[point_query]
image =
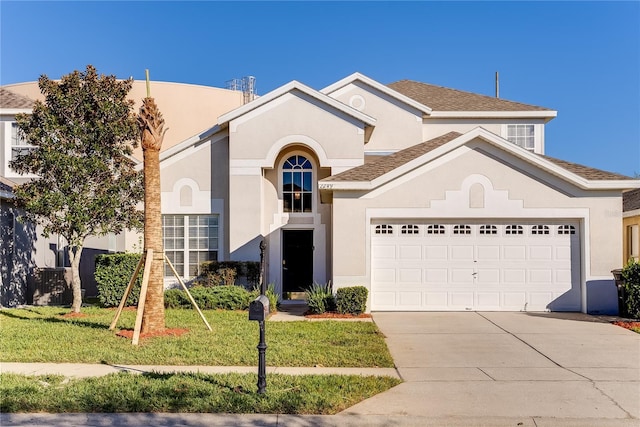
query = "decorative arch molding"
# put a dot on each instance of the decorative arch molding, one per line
(186, 197)
(477, 193)
(305, 140)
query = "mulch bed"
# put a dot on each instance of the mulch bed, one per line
(628, 325)
(167, 332)
(334, 315)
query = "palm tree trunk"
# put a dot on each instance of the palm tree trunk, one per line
(152, 124)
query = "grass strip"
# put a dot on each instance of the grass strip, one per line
(44, 334)
(188, 392)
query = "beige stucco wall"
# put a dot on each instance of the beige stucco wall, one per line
(398, 125)
(187, 109)
(544, 196)
(293, 115)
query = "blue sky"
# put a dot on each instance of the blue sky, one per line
(579, 58)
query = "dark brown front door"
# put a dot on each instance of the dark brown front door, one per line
(297, 260)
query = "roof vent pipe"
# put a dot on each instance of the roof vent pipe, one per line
(497, 86)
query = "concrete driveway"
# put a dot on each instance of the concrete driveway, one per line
(535, 366)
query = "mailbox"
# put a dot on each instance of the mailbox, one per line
(259, 308)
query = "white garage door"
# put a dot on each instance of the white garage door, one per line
(512, 266)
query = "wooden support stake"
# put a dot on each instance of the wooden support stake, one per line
(143, 296)
(175, 273)
(126, 293)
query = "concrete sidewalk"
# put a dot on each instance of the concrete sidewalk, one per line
(79, 370)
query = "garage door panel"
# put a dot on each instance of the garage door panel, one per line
(462, 253)
(410, 252)
(477, 266)
(541, 276)
(461, 276)
(488, 300)
(461, 300)
(489, 276)
(384, 275)
(436, 276)
(488, 253)
(410, 276)
(409, 299)
(436, 253)
(515, 276)
(383, 252)
(514, 253)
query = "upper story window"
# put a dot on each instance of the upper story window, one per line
(522, 135)
(19, 145)
(297, 184)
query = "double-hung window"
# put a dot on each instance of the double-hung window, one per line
(19, 145)
(188, 241)
(522, 135)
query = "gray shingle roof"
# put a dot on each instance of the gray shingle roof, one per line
(440, 98)
(10, 99)
(586, 171)
(379, 167)
(631, 200)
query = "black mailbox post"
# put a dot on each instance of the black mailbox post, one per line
(259, 310)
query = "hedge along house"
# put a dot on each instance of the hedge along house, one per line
(432, 198)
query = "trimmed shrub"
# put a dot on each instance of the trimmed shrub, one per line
(352, 300)
(218, 273)
(113, 273)
(209, 298)
(320, 298)
(631, 276)
(271, 294)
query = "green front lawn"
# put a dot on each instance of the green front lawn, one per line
(43, 334)
(228, 393)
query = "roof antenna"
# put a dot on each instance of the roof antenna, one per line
(497, 85)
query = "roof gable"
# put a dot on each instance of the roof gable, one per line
(378, 86)
(292, 87)
(383, 170)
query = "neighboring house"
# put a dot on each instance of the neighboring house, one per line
(187, 110)
(432, 198)
(631, 225)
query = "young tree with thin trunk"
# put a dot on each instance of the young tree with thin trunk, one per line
(152, 127)
(82, 136)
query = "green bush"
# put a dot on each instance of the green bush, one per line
(320, 298)
(271, 294)
(217, 273)
(352, 300)
(113, 273)
(631, 276)
(209, 298)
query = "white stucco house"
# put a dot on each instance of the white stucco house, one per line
(432, 198)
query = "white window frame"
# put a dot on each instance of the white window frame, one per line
(633, 242)
(314, 193)
(7, 132)
(183, 268)
(538, 136)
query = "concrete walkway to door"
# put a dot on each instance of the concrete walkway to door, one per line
(540, 368)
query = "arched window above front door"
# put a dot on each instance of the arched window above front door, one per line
(297, 184)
